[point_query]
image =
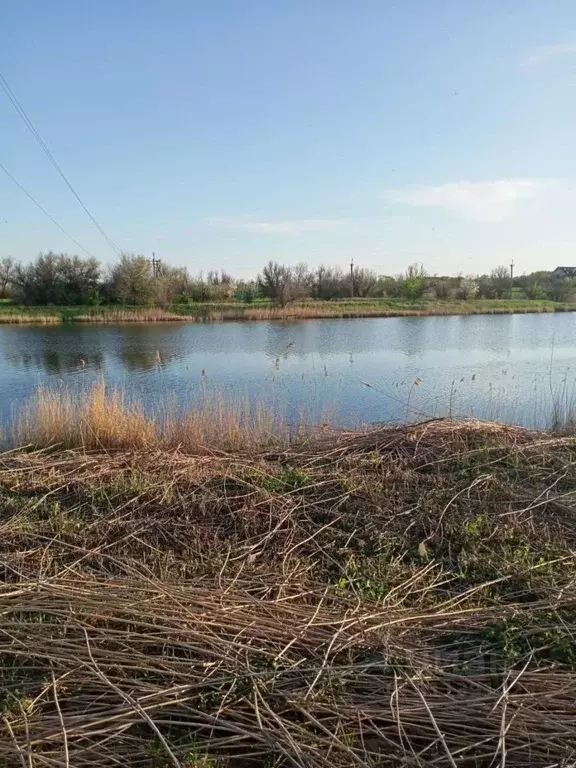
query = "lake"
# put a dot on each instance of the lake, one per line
(504, 367)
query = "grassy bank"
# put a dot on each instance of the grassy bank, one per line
(394, 596)
(232, 311)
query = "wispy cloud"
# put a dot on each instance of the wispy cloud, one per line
(478, 200)
(285, 227)
(545, 52)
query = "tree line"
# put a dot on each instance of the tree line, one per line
(63, 279)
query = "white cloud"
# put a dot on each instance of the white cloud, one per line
(294, 227)
(286, 227)
(545, 52)
(479, 200)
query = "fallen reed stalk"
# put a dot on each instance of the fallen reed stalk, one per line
(392, 597)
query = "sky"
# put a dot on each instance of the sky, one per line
(227, 133)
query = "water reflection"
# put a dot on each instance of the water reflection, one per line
(491, 366)
(56, 362)
(138, 359)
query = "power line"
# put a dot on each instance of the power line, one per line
(28, 123)
(44, 211)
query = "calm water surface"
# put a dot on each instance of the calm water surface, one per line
(501, 366)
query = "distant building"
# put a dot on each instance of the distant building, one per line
(564, 272)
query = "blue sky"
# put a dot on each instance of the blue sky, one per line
(226, 133)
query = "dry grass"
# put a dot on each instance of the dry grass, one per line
(142, 315)
(310, 311)
(23, 318)
(335, 310)
(105, 418)
(357, 308)
(397, 597)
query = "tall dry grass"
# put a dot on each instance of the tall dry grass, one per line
(107, 418)
(20, 318)
(343, 311)
(142, 315)
(304, 311)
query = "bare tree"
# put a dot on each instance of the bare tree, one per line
(561, 289)
(218, 285)
(443, 288)
(7, 274)
(215, 277)
(364, 281)
(170, 283)
(496, 285)
(330, 283)
(415, 270)
(284, 284)
(302, 280)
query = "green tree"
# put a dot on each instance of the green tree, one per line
(57, 278)
(132, 281)
(467, 288)
(413, 282)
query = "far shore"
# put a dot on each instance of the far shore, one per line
(310, 310)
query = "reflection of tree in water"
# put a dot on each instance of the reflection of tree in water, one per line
(412, 335)
(284, 340)
(146, 347)
(137, 358)
(54, 362)
(324, 337)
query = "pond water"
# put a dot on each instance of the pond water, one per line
(506, 367)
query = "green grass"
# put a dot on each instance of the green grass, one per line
(337, 601)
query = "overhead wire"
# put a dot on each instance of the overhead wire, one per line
(44, 211)
(26, 120)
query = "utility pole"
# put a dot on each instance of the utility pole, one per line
(512, 278)
(155, 265)
(352, 278)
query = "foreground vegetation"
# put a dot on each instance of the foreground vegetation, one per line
(263, 310)
(250, 597)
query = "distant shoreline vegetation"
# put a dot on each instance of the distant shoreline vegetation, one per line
(57, 288)
(11, 314)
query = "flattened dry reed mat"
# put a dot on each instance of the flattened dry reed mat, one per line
(392, 597)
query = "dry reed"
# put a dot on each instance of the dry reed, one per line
(319, 311)
(306, 311)
(13, 318)
(301, 312)
(137, 315)
(107, 418)
(396, 597)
